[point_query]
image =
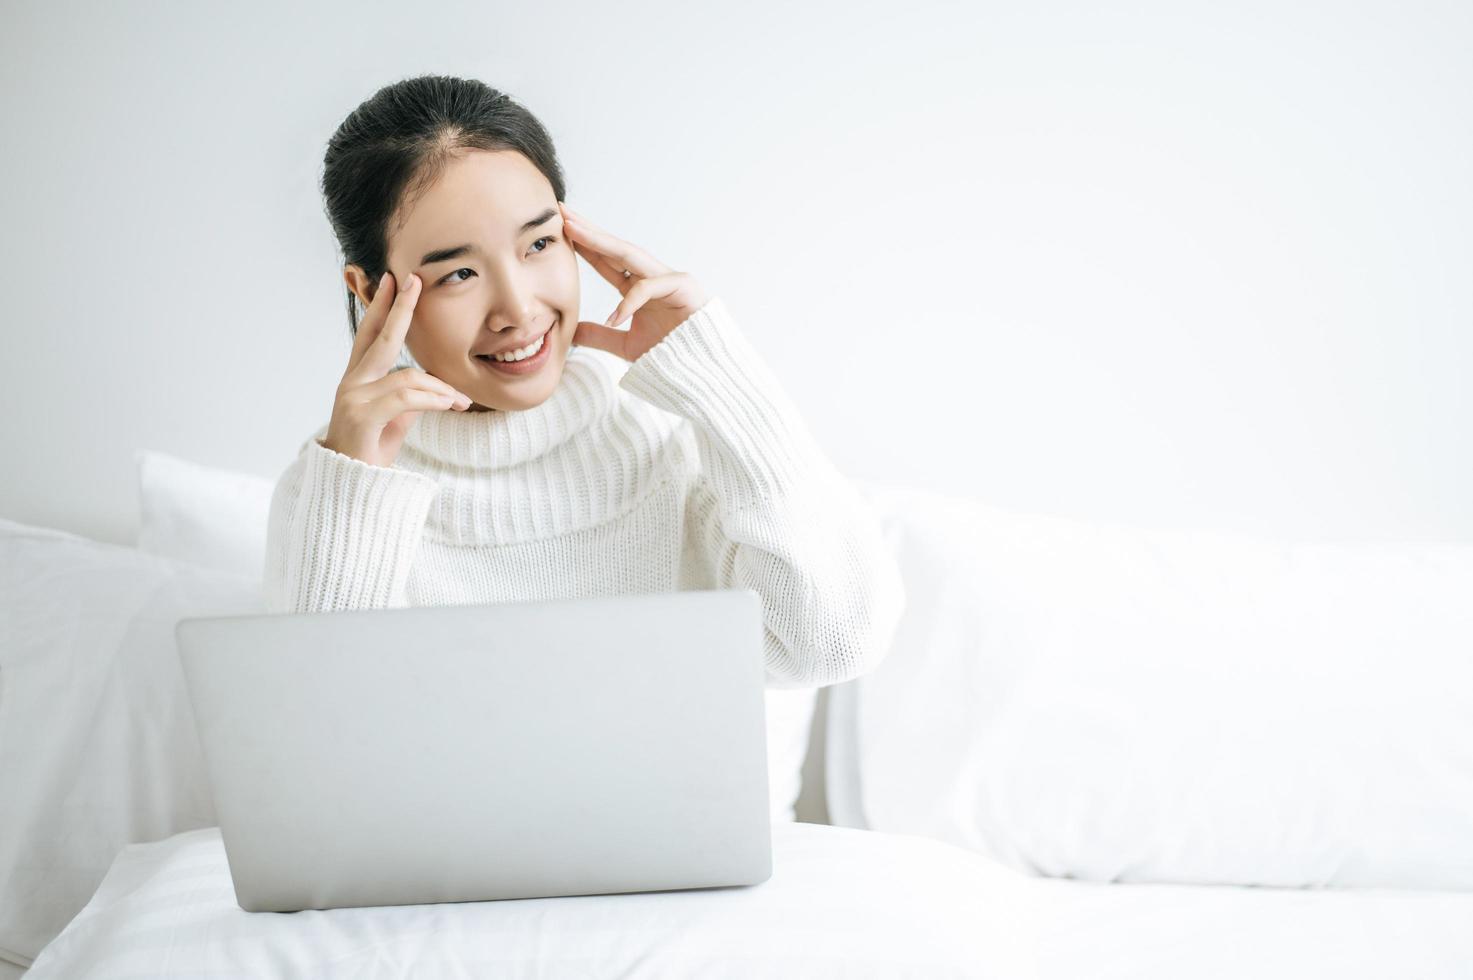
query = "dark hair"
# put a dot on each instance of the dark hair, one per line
(397, 143)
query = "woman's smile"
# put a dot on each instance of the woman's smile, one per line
(527, 365)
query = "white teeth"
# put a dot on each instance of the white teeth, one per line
(525, 352)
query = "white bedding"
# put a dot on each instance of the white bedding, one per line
(841, 903)
(1134, 705)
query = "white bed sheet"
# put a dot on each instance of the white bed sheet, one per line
(842, 903)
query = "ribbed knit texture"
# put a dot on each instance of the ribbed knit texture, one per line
(689, 469)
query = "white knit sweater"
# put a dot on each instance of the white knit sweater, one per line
(708, 479)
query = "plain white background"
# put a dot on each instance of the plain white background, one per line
(1174, 263)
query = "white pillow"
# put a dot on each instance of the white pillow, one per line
(217, 518)
(195, 513)
(842, 904)
(1112, 703)
(98, 747)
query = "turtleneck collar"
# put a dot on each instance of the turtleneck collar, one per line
(501, 439)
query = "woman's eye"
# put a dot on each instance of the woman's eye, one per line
(451, 278)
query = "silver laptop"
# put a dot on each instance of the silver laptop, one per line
(469, 753)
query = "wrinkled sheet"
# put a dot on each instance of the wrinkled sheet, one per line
(841, 903)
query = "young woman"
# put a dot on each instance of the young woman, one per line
(591, 459)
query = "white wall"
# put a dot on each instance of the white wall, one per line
(1180, 263)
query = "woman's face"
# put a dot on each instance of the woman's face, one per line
(516, 278)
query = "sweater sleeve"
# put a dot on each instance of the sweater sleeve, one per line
(769, 509)
(342, 533)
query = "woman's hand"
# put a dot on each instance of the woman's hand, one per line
(658, 299)
(375, 405)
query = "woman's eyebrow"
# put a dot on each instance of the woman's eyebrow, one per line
(456, 251)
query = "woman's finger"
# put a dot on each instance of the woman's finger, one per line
(641, 293)
(620, 254)
(381, 354)
(373, 319)
(413, 378)
(614, 277)
(391, 404)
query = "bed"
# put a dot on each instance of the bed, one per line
(842, 903)
(1093, 751)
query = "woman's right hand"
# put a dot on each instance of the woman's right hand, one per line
(375, 406)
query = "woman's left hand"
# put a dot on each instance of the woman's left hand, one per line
(658, 298)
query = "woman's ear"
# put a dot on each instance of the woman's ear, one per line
(358, 281)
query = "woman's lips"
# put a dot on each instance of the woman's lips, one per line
(526, 365)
